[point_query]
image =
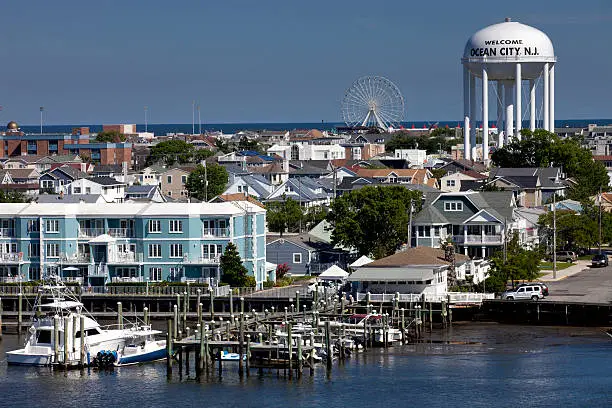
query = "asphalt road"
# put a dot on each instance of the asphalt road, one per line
(593, 285)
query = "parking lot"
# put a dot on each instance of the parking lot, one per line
(592, 285)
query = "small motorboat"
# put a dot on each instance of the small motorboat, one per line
(146, 350)
(227, 356)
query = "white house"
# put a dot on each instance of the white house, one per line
(304, 151)
(451, 183)
(150, 176)
(111, 190)
(416, 157)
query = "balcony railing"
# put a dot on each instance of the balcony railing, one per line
(90, 232)
(125, 257)
(215, 232)
(121, 232)
(203, 260)
(11, 257)
(97, 271)
(78, 258)
(478, 239)
(7, 232)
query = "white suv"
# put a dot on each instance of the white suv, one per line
(533, 292)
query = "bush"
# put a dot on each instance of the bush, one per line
(268, 284)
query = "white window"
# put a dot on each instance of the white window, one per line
(176, 250)
(52, 250)
(155, 251)
(176, 226)
(33, 226)
(34, 250)
(424, 231)
(155, 274)
(297, 258)
(52, 225)
(154, 226)
(453, 206)
(46, 183)
(450, 183)
(211, 251)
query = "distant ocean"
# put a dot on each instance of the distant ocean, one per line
(163, 129)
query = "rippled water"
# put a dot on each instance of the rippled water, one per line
(478, 365)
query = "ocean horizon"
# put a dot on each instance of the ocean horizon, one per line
(162, 129)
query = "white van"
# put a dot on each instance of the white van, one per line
(533, 292)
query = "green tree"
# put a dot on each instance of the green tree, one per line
(234, 272)
(517, 264)
(206, 183)
(284, 216)
(543, 149)
(110, 136)
(13, 197)
(574, 230)
(374, 220)
(172, 151)
(438, 173)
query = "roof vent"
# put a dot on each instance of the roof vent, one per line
(507, 19)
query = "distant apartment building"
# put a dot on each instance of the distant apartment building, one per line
(14, 143)
(95, 244)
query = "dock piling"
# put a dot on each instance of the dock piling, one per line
(82, 330)
(120, 315)
(2, 311)
(145, 317)
(241, 344)
(212, 304)
(169, 348)
(19, 312)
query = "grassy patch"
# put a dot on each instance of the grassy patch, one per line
(549, 265)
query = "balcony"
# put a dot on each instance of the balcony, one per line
(125, 258)
(202, 260)
(121, 232)
(215, 233)
(7, 232)
(478, 239)
(90, 232)
(97, 271)
(78, 258)
(11, 257)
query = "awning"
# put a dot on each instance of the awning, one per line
(70, 269)
(270, 267)
(102, 239)
(334, 272)
(366, 274)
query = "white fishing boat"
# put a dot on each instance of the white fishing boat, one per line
(143, 348)
(62, 332)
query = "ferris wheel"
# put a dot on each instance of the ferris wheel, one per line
(373, 101)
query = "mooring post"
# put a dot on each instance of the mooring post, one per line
(120, 315)
(207, 358)
(297, 301)
(289, 345)
(300, 357)
(56, 339)
(146, 316)
(180, 360)
(19, 312)
(328, 344)
(199, 296)
(231, 299)
(82, 330)
(212, 304)
(199, 350)
(248, 354)
(200, 307)
(403, 324)
(66, 348)
(286, 315)
(241, 345)
(241, 305)
(74, 335)
(315, 303)
(186, 307)
(187, 332)
(175, 320)
(169, 348)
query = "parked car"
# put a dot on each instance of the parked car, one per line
(543, 285)
(599, 260)
(566, 256)
(529, 291)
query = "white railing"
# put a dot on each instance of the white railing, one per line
(212, 260)
(452, 297)
(121, 232)
(97, 271)
(75, 258)
(90, 232)
(125, 257)
(120, 279)
(215, 232)
(11, 257)
(477, 239)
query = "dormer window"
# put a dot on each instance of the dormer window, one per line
(453, 206)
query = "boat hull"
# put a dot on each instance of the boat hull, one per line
(24, 358)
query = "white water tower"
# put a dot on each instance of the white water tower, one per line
(511, 55)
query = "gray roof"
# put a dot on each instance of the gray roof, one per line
(105, 181)
(365, 274)
(108, 168)
(68, 198)
(255, 182)
(496, 203)
(431, 213)
(547, 175)
(70, 172)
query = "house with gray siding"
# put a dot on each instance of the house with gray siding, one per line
(476, 222)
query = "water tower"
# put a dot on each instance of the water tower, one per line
(512, 55)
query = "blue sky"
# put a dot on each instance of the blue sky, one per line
(273, 61)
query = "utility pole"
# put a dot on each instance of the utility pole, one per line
(335, 181)
(555, 236)
(409, 242)
(599, 199)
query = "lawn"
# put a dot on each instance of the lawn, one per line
(560, 265)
